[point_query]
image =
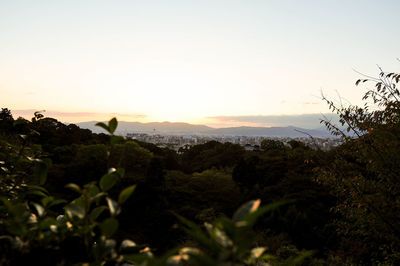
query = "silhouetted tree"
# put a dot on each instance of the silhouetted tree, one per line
(6, 121)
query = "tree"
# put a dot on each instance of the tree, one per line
(365, 174)
(6, 120)
(5, 115)
(270, 144)
(211, 154)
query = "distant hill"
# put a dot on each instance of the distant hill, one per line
(153, 127)
(186, 128)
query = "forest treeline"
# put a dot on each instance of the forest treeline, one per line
(69, 196)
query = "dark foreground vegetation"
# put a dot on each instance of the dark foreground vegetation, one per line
(68, 196)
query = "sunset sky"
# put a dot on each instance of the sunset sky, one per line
(214, 62)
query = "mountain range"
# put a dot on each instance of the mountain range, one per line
(174, 128)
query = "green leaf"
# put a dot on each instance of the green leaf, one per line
(61, 218)
(113, 206)
(96, 212)
(33, 187)
(109, 226)
(75, 210)
(98, 196)
(218, 235)
(112, 125)
(252, 217)
(33, 159)
(195, 231)
(125, 194)
(56, 202)
(108, 181)
(127, 243)
(257, 252)
(81, 201)
(94, 190)
(111, 170)
(73, 187)
(47, 200)
(128, 246)
(23, 137)
(39, 208)
(37, 193)
(109, 244)
(116, 139)
(41, 170)
(226, 225)
(245, 209)
(104, 126)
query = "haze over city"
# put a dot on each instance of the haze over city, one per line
(218, 63)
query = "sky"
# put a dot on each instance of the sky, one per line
(219, 62)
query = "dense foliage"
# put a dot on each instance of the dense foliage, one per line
(102, 199)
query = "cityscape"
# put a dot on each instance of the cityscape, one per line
(250, 143)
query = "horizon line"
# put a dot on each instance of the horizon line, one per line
(305, 120)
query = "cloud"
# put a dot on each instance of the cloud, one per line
(309, 121)
(76, 116)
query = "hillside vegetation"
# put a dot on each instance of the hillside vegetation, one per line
(69, 196)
